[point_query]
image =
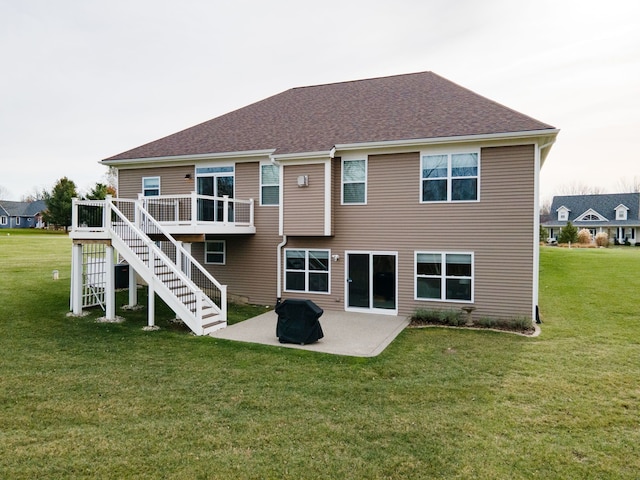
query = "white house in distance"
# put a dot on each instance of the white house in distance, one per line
(616, 214)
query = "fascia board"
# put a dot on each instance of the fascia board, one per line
(549, 134)
(244, 155)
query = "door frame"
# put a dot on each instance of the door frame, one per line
(371, 309)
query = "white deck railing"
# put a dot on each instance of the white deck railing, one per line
(194, 209)
(129, 221)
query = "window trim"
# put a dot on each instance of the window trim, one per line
(223, 252)
(449, 178)
(144, 190)
(307, 271)
(4, 220)
(443, 276)
(358, 158)
(262, 184)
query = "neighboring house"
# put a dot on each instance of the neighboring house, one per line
(616, 214)
(381, 195)
(22, 214)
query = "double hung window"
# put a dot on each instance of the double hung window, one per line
(269, 184)
(215, 252)
(307, 271)
(354, 181)
(444, 276)
(450, 177)
(151, 186)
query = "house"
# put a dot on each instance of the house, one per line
(22, 214)
(616, 214)
(381, 195)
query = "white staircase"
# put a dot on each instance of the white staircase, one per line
(183, 284)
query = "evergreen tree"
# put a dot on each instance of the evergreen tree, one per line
(100, 192)
(568, 234)
(59, 203)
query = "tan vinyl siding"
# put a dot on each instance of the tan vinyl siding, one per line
(250, 270)
(304, 212)
(498, 229)
(172, 180)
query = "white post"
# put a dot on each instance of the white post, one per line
(106, 212)
(110, 293)
(223, 302)
(133, 288)
(179, 255)
(186, 268)
(194, 208)
(74, 213)
(225, 211)
(251, 204)
(152, 305)
(76, 279)
(151, 291)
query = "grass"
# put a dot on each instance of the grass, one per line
(85, 400)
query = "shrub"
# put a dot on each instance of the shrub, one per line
(518, 324)
(584, 236)
(424, 316)
(568, 234)
(602, 239)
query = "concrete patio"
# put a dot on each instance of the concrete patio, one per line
(345, 333)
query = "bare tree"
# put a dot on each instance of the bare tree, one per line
(579, 188)
(545, 210)
(111, 177)
(4, 193)
(36, 193)
(628, 185)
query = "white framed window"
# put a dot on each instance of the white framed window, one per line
(307, 270)
(444, 276)
(3, 220)
(150, 186)
(215, 252)
(269, 184)
(354, 182)
(450, 177)
(621, 212)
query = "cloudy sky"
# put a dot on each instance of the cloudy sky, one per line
(81, 80)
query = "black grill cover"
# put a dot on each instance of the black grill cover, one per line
(298, 322)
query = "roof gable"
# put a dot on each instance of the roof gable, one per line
(591, 216)
(315, 119)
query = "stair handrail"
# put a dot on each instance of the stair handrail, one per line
(143, 216)
(157, 252)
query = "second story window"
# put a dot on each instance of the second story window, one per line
(269, 184)
(450, 177)
(151, 186)
(354, 182)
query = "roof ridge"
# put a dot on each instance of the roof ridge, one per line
(364, 80)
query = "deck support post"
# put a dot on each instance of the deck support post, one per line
(133, 288)
(110, 290)
(76, 279)
(151, 308)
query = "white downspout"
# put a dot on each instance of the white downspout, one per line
(279, 268)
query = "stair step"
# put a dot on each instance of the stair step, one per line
(213, 324)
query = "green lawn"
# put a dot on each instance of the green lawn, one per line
(85, 400)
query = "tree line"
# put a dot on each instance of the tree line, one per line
(59, 200)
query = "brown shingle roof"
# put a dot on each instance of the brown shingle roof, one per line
(314, 119)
